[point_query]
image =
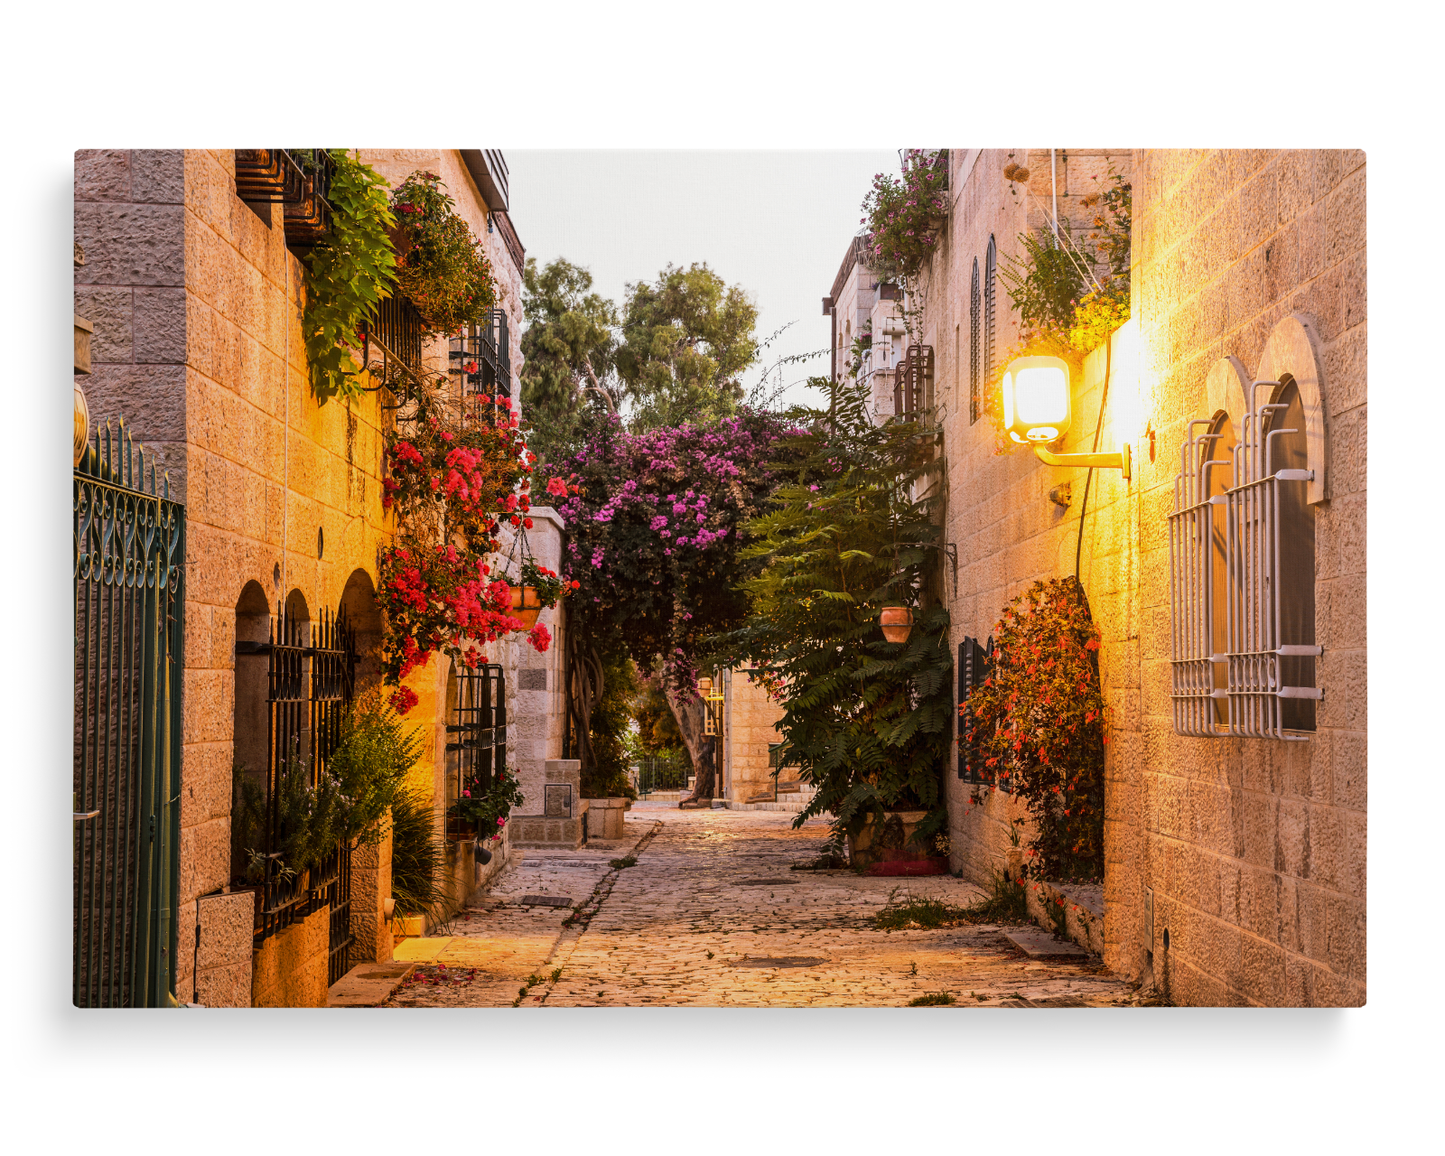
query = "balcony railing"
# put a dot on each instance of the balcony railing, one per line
(392, 342)
(913, 387)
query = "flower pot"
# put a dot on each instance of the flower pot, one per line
(888, 841)
(897, 623)
(461, 830)
(526, 605)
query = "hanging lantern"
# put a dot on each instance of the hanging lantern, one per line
(897, 623)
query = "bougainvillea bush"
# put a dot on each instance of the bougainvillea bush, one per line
(654, 526)
(1038, 723)
(905, 217)
(866, 720)
(453, 477)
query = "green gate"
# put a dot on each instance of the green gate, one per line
(129, 569)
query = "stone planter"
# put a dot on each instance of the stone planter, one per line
(887, 842)
(409, 925)
(605, 818)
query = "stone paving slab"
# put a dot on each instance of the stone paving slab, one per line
(712, 916)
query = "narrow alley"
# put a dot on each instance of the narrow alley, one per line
(712, 915)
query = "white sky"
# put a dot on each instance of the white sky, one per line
(776, 222)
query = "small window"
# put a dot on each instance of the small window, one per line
(975, 304)
(990, 270)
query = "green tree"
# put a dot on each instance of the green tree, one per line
(569, 347)
(686, 340)
(867, 721)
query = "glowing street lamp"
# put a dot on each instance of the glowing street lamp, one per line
(1037, 410)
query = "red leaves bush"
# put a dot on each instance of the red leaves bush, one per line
(1038, 722)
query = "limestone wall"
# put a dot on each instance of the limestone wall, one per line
(196, 302)
(751, 721)
(1254, 849)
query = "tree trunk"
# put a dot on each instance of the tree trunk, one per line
(689, 717)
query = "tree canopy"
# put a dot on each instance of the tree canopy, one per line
(686, 340)
(569, 350)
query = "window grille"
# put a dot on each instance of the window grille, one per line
(975, 301)
(481, 362)
(974, 664)
(1255, 557)
(477, 736)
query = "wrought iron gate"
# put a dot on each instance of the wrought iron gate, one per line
(479, 724)
(309, 685)
(129, 594)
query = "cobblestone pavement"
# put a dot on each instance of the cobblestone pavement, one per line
(711, 915)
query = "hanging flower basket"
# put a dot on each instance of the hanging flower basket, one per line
(897, 623)
(526, 605)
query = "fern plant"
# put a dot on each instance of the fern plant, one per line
(867, 720)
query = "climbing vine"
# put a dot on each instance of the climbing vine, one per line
(347, 275)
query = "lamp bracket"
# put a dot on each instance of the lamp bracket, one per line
(1120, 460)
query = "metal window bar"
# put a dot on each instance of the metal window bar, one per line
(481, 361)
(1253, 687)
(396, 333)
(310, 683)
(913, 384)
(479, 724)
(974, 663)
(299, 180)
(129, 635)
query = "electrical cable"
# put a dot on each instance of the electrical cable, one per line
(1098, 426)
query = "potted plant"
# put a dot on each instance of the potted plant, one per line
(483, 808)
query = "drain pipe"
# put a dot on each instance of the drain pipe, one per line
(1054, 188)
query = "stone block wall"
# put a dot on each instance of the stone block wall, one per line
(1254, 849)
(751, 721)
(289, 968)
(196, 301)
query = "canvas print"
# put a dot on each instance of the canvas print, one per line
(604, 623)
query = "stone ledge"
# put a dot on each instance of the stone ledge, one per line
(368, 984)
(1083, 908)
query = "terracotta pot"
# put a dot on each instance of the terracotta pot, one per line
(897, 623)
(526, 605)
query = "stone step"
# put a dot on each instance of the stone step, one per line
(1037, 943)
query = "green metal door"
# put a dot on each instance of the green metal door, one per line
(129, 572)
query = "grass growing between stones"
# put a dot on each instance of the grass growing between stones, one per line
(933, 999)
(625, 861)
(1005, 905)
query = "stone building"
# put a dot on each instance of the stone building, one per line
(195, 296)
(1234, 866)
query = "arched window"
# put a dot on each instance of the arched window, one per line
(1296, 559)
(990, 268)
(1242, 550)
(249, 757)
(975, 304)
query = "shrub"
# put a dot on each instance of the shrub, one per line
(442, 267)
(905, 217)
(1038, 723)
(418, 854)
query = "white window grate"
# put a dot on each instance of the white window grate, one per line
(1234, 663)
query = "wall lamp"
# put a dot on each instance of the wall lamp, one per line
(1037, 408)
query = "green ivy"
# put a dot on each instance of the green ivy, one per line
(347, 276)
